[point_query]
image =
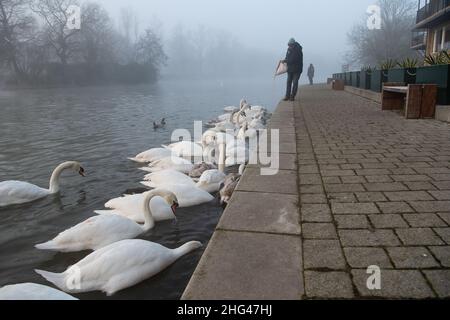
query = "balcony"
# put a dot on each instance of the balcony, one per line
(419, 40)
(434, 12)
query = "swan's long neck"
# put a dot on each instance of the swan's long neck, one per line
(54, 179)
(148, 216)
(222, 156)
(186, 248)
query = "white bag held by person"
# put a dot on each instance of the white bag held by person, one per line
(281, 69)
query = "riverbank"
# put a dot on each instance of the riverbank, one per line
(358, 187)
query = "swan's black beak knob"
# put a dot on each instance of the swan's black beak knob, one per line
(82, 172)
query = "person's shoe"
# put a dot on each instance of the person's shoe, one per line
(286, 99)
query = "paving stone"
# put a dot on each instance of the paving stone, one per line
(311, 169)
(373, 172)
(445, 216)
(323, 254)
(331, 180)
(328, 285)
(394, 186)
(419, 237)
(395, 284)
(440, 281)
(337, 173)
(378, 179)
(235, 266)
(285, 182)
(444, 233)
(394, 207)
(311, 189)
(262, 212)
(424, 220)
(442, 185)
(342, 197)
(388, 221)
(419, 186)
(365, 257)
(316, 213)
(370, 197)
(430, 206)
(313, 198)
(319, 231)
(310, 179)
(409, 196)
(442, 254)
(354, 208)
(344, 187)
(352, 222)
(353, 179)
(440, 195)
(412, 258)
(368, 238)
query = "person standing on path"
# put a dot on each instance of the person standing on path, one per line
(311, 74)
(294, 61)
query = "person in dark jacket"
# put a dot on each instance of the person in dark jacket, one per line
(294, 60)
(311, 72)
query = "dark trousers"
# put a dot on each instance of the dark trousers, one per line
(292, 84)
(311, 80)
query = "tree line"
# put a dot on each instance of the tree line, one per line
(38, 48)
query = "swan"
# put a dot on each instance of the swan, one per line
(210, 180)
(18, 192)
(130, 206)
(32, 291)
(229, 185)
(187, 195)
(99, 231)
(185, 149)
(200, 168)
(118, 266)
(231, 109)
(152, 155)
(174, 163)
(168, 177)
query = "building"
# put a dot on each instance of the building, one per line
(432, 31)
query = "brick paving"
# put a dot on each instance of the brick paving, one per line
(374, 190)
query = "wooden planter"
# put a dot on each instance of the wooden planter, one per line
(439, 75)
(364, 80)
(377, 79)
(406, 76)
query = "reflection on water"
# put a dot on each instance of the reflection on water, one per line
(101, 127)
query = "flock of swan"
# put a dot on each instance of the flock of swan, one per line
(176, 178)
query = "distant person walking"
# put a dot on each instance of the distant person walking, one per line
(311, 74)
(294, 61)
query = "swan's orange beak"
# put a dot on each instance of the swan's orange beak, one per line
(82, 172)
(174, 207)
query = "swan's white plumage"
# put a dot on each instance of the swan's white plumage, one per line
(118, 266)
(173, 163)
(152, 155)
(187, 195)
(32, 291)
(17, 192)
(186, 149)
(156, 179)
(211, 180)
(130, 206)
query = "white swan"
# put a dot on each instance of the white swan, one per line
(152, 155)
(185, 149)
(211, 180)
(32, 291)
(187, 195)
(18, 192)
(167, 177)
(130, 206)
(118, 266)
(99, 231)
(173, 163)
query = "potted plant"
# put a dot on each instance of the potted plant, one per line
(381, 76)
(437, 72)
(406, 73)
(364, 78)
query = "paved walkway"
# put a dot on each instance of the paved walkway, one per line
(358, 187)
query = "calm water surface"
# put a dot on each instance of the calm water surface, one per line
(101, 127)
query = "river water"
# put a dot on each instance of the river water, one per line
(101, 127)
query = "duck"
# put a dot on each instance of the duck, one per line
(19, 192)
(118, 266)
(152, 155)
(102, 230)
(32, 291)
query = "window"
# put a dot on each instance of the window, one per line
(447, 38)
(438, 40)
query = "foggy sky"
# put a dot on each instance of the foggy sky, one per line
(320, 26)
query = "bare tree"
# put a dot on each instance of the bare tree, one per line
(16, 25)
(150, 50)
(392, 41)
(62, 39)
